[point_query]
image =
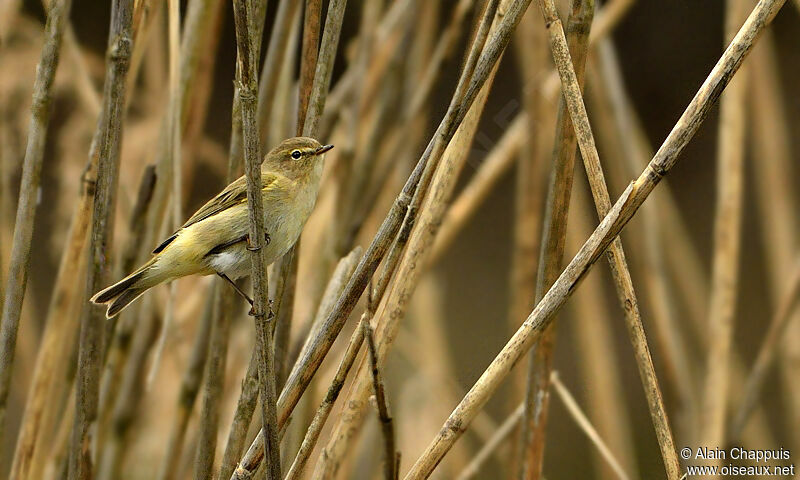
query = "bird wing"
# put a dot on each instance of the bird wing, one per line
(234, 194)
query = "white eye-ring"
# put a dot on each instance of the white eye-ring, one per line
(296, 154)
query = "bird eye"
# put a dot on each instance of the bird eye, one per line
(296, 154)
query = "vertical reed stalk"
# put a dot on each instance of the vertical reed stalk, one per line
(247, 56)
(534, 420)
(727, 245)
(52, 351)
(616, 256)
(14, 294)
(92, 318)
(391, 455)
(308, 57)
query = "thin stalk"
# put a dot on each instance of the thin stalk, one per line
(308, 57)
(324, 68)
(92, 318)
(387, 425)
(488, 449)
(247, 56)
(661, 226)
(57, 18)
(727, 245)
(622, 211)
(235, 153)
(531, 443)
(766, 355)
(587, 427)
(53, 354)
(277, 51)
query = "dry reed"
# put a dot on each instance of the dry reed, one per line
(443, 164)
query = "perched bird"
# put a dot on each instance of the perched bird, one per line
(215, 239)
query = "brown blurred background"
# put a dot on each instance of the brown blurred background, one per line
(666, 50)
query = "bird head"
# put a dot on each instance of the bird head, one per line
(297, 157)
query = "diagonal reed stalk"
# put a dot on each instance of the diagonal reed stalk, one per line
(661, 226)
(622, 211)
(787, 309)
(595, 345)
(587, 427)
(416, 241)
(616, 256)
(324, 410)
(503, 433)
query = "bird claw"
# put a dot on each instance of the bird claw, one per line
(270, 313)
(252, 248)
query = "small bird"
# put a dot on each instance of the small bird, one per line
(215, 239)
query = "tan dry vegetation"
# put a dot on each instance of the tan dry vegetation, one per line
(465, 200)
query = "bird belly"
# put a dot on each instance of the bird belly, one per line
(190, 253)
(233, 262)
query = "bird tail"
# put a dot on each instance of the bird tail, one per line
(122, 293)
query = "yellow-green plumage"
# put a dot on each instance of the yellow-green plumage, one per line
(214, 239)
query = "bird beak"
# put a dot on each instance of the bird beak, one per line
(322, 149)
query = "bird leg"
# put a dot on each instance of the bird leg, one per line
(236, 287)
(220, 248)
(270, 315)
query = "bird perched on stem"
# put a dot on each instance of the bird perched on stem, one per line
(215, 239)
